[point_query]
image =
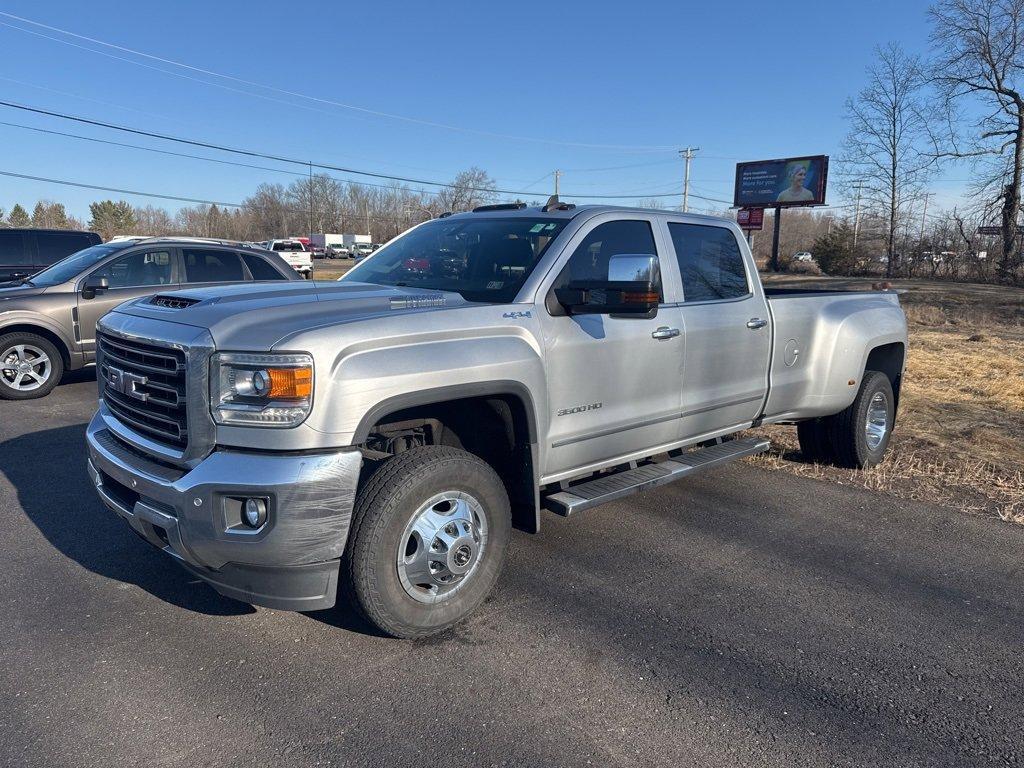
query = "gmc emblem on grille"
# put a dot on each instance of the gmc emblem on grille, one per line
(126, 383)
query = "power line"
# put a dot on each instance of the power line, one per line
(303, 163)
(191, 156)
(300, 95)
(157, 195)
(161, 196)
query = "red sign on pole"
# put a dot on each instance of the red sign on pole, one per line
(750, 218)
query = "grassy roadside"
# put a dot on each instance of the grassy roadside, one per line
(959, 440)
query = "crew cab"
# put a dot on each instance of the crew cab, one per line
(383, 433)
(296, 253)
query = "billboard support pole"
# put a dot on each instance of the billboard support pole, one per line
(776, 226)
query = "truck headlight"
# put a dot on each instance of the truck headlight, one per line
(261, 390)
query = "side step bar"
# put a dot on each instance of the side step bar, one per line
(610, 487)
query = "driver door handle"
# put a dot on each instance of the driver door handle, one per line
(756, 322)
(664, 332)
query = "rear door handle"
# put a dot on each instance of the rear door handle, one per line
(664, 332)
(756, 322)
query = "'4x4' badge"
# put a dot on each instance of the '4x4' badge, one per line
(517, 315)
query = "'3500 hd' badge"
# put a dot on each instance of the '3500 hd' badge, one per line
(578, 409)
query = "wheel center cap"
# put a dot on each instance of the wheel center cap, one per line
(24, 367)
(462, 555)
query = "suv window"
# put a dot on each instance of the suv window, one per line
(137, 270)
(590, 259)
(54, 246)
(209, 266)
(13, 249)
(261, 268)
(710, 262)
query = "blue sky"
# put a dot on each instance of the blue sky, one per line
(523, 85)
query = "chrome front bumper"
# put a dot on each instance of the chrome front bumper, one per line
(291, 563)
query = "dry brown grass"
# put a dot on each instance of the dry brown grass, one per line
(959, 440)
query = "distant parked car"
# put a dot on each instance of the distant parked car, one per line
(803, 256)
(48, 321)
(296, 253)
(361, 250)
(24, 252)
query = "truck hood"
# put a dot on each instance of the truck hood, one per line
(258, 316)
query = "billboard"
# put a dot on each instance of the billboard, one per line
(789, 181)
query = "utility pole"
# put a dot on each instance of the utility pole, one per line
(856, 222)
(687, 154)
(311, 201)
(558, 175)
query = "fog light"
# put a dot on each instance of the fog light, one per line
(255, 512)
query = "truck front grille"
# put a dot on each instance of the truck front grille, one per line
(144, 387)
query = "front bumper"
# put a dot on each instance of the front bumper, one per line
(291, 563)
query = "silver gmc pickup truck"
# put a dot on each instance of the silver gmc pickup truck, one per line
(382, 434)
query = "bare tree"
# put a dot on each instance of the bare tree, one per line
(884, 149)
(980, 63)
(469, 189)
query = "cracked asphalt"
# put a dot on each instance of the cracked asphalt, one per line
(741, 618)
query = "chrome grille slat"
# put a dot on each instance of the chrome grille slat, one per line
(162, 413)
(176, 362)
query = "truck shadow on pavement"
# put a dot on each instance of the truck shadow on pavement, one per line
(47, 469)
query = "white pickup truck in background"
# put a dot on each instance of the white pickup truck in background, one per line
(295, 253)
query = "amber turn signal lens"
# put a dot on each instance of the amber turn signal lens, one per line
(631, 297)
(290, 383)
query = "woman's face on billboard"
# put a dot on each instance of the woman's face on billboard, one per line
(798, 177)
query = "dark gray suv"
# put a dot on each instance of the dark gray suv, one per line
(48, 321)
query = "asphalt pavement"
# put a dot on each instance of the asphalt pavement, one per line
(743, 617)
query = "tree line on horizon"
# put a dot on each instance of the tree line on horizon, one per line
(318, 203)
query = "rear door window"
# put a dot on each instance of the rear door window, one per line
(709, 261)
(206, 265)
(260, 268)
(54, 246)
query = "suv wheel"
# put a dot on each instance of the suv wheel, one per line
(30, 366)
(428, 540)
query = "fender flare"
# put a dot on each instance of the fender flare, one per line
(21, 317)
(444, 394)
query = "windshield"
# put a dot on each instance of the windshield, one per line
(481, 259)
(73, 265)
(289, 246)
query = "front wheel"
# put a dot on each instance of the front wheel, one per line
(429, 534)
(30, 366)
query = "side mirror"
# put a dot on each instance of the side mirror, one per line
(633, 289)
(94, 285)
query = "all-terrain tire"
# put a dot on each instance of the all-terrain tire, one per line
(850, 432)
(22, 346)
(390, 499)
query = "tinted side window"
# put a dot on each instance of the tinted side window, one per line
(710, 262)
(13, 249)
(137, 270)
(260, 268)
(208, 266)
(54, 246)
(590, 259)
